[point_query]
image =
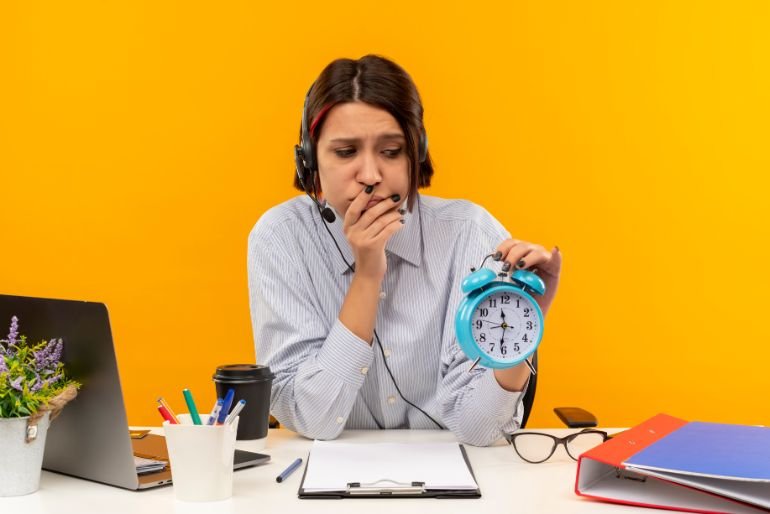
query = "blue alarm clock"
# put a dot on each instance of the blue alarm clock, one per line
(498, 323)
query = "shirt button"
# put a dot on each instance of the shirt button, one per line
(391, 400)
(364, 370)
(340, 420)
(383, 295)
(387, 352)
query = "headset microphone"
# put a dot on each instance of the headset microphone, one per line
(327, 214)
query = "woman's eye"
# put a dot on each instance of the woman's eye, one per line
(392, 152)
(345, 152)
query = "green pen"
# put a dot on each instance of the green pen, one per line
(191, 406)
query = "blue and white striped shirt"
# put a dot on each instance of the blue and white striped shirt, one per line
(327, 378)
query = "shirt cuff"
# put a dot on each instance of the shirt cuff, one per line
(499, 402)
(345, 355)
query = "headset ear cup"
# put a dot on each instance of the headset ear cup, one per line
(423, 153)
(299, 163)
(305, 143)
(308, 153)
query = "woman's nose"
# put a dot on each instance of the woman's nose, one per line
(369, 171)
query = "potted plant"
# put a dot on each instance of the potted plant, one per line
(33, 390)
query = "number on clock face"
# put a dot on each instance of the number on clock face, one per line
(505, 325)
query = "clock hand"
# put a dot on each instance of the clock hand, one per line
(502, 313)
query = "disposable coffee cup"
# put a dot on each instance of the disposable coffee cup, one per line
(251, 382)
(201, 458)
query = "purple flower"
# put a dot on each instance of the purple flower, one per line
(14, 332)
(3, 365)
(16, 384)
(38, 384)
(52, 380)
(49, 356)
(56, 357)
(41, 358)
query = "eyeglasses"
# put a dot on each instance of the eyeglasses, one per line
(537, 447)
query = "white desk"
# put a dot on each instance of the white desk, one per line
(508, 485)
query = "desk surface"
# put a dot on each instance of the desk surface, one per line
(508, 485)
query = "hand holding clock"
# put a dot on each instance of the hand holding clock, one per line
(518, 254)
(522, 255)
(522, 300)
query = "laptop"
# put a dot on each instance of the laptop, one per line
(90, 439)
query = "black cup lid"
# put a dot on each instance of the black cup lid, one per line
(242, 372)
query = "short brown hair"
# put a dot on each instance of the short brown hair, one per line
(380, 82)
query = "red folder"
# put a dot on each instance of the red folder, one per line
(669, 463)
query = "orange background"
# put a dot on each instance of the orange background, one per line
(140, 141)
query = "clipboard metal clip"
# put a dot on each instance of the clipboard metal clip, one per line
(385, 487)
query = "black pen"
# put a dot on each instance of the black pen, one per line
(288, 471)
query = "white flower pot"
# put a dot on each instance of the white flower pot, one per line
(20, 461)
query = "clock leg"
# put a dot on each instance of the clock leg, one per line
(531, 367)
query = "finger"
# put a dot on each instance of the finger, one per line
(503, 248)
(517, 255)
(553, 266)
(385, 205)
(536, 257)
(378, 225)
(513, 253)
(533, 256)
(357, 206)
(388, 232)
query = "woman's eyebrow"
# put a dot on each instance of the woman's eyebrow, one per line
(344, 140)
(394, 135)
(383, 137)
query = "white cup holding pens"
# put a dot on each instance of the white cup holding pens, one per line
(201, 457)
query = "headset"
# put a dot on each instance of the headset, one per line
(306, 163)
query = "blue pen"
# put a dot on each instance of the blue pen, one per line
(226, 406)
(288, 471)
(215, 412)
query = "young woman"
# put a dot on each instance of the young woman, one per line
(354, 286)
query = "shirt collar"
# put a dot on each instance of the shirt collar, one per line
(406, 243)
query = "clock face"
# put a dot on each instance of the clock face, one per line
(506, 325)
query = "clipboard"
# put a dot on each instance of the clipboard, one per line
(387, 488)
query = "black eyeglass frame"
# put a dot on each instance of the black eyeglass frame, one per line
(511, 438)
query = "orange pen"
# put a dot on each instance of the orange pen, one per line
(166, 406)
(166, 415)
